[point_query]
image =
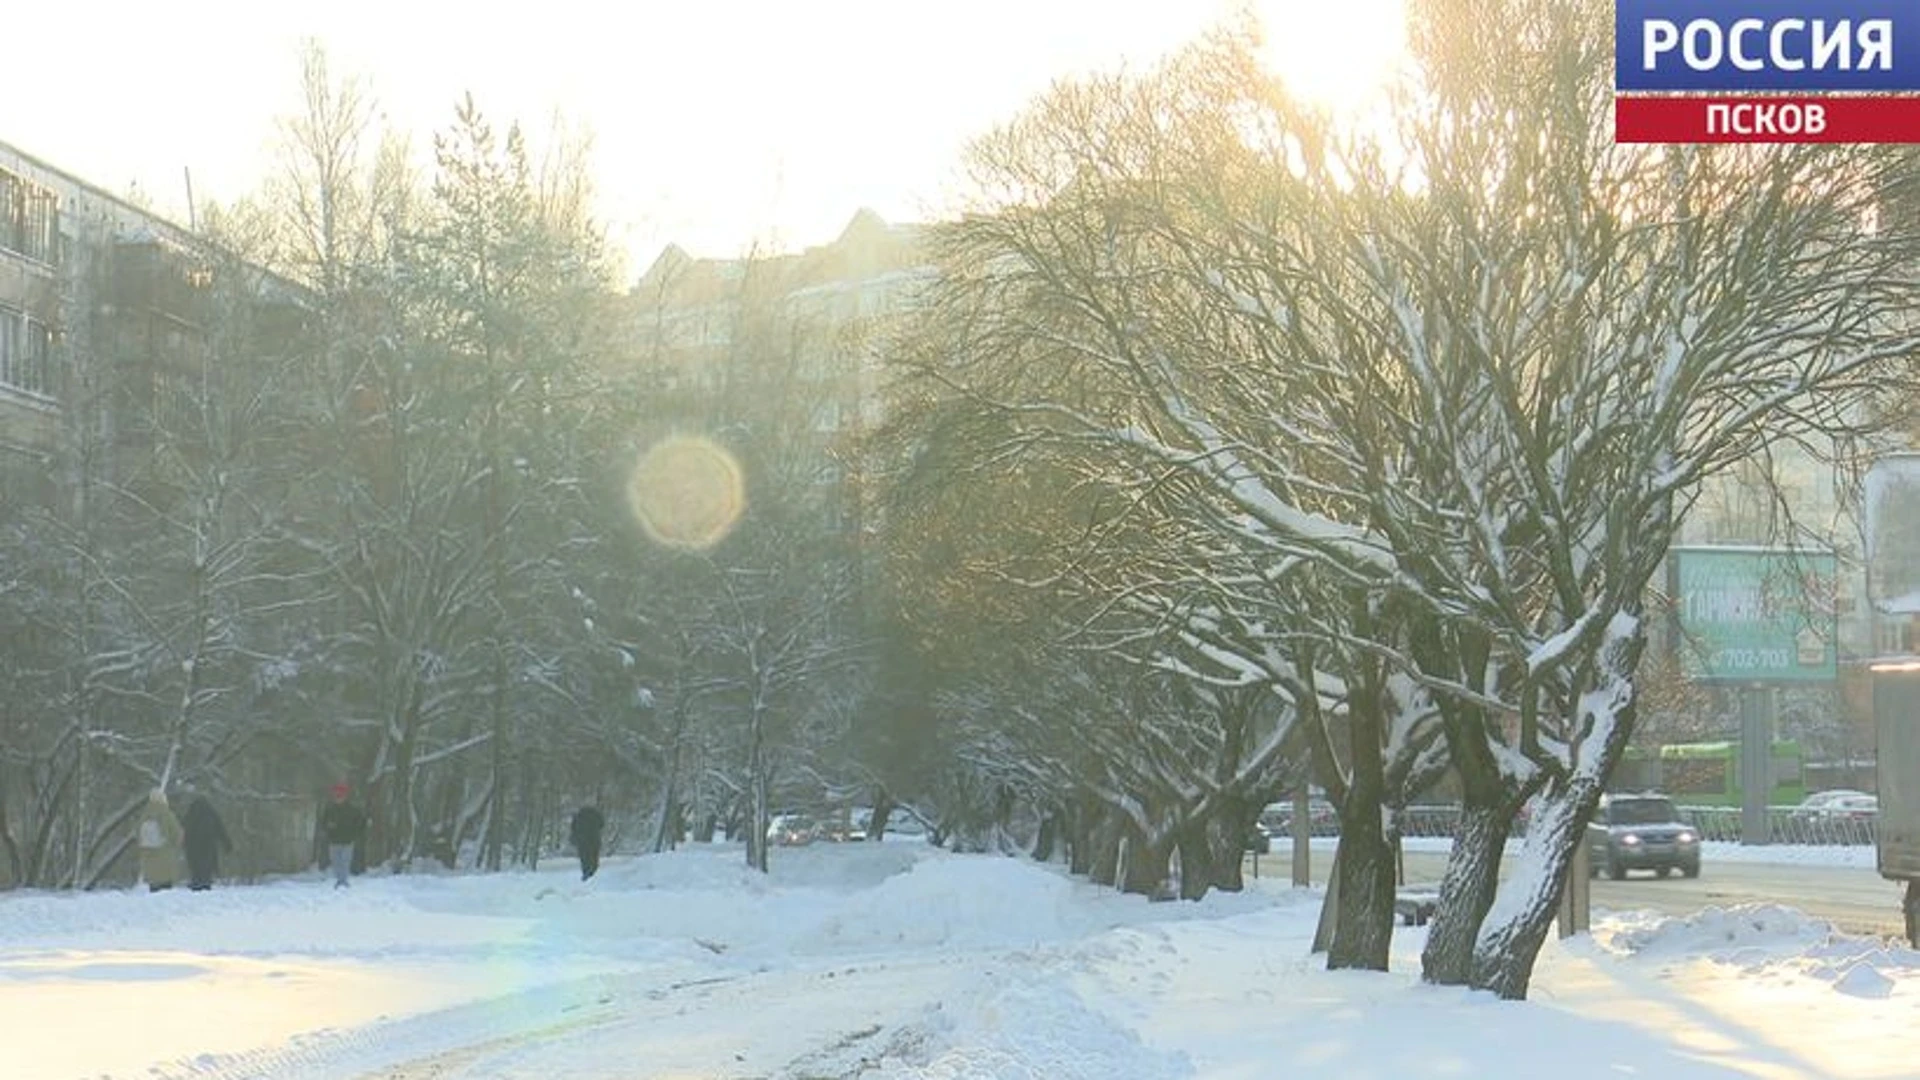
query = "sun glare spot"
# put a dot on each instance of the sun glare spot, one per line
(1339, 55)
(687, 492)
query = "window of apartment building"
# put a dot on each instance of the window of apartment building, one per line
(26, 354)
(29, 219)
(25, 479)
(175, 406)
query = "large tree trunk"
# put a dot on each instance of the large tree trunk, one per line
(1103, 864)
(882, 810)
(16, 868)
(1148, 866)
(666, 830)
(759, 819)
(1226, 837)
(1196, 860)
(1000, 837)
(1363, 928)
(759, 780)
(1510, 938)
(670, 827)
(1211, 853)
(1048, 837)
(1080, 844)
(1489, 800)
(1466, 892)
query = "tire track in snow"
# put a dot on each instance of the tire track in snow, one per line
(328, 1054)
(815, 1054)
(447, 1042)
(828, 1021)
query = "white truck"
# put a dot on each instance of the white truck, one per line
(1896, 715)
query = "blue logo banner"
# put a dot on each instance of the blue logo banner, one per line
(1744, 45)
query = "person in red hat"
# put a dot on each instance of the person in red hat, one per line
(342, 824)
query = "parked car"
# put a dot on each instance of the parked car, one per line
(1827, 805)
(1834, 817)
(1277, 818)
(1641, 832)
(792, 830)
(904, 822)
(900, 822)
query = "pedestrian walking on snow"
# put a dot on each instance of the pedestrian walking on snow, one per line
(206, 839)
(342, 825)
(159, 839)
(587, 824)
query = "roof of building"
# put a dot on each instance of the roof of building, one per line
(867, 247)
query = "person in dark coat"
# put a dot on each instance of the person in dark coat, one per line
(342, 824)
(206, 839)
(587, 823)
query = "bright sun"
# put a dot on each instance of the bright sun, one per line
(1338, 53)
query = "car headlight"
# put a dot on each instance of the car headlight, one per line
(1686, 838)
(1630, 840)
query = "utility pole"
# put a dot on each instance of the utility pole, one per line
(1302, 836)
(1756, 762)
(1576, 900)
(1576, 896)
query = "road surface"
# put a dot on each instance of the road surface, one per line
(1855, 900)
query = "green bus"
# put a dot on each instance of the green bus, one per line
(1708, 773)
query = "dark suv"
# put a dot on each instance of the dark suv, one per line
(1641, 832)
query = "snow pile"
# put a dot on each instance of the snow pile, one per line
(1768, 940)
(1029, 1028)
(1743, 934)
(701, 896)
(837, 898)
(1860, 967)
(375, 918)
(954, 902)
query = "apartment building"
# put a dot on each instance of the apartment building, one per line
(789, 344)
(105, 315)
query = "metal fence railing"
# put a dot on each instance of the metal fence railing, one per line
(1785, 825)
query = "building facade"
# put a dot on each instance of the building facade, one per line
(784, 351)
(106, 312)
(118, 329)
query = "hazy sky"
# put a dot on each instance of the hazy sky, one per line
(716, 123)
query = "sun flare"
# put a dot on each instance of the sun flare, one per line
(687, 492)
(1339, 55)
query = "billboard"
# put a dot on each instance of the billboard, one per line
(1754, 614)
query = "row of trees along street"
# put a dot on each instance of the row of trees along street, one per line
(1231, 447)
(1278, 441)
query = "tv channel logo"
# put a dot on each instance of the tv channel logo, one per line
(1767, 70)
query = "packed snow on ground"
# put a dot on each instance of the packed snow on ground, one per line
(889, 962)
